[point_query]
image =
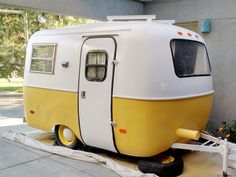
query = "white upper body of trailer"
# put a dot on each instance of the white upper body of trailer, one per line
(145, 68)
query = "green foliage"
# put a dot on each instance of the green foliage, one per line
(13, 36)
(14, 85)
(12, 42)
(15, 89)
(228, 130)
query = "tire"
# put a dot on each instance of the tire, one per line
(61, 140)
(170, 169)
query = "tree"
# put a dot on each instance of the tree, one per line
(12, 36)
(11, 43)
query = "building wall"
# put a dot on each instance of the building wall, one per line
(221, 42)
(94, 9)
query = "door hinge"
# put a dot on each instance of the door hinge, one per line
(112, 123)
(115, 62)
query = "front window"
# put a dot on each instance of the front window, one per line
(190, 58)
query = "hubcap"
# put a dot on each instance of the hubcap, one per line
(66, 135)
(167, 159)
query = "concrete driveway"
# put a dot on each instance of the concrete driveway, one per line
(17, 160)
(11, 105)
(11, 112)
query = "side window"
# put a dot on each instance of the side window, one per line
(96, 66)
(43, 58)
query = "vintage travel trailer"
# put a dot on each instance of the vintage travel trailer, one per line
(130, 87)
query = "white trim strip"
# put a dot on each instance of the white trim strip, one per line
(49, 88)
(129, 97)
(84, 33)
(164, 98)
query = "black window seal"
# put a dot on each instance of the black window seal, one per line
(194, 75)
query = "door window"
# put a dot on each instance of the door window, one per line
(96, 66)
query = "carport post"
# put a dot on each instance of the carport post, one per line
(225, 157)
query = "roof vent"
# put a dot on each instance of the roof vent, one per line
(147, 18)
(170, 22)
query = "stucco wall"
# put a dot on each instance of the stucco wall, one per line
(221, 42)
(94, 9)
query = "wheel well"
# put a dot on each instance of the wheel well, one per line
(69, 128)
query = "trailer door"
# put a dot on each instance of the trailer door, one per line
(95, 92)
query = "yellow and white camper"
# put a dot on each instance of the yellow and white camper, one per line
(128, 87)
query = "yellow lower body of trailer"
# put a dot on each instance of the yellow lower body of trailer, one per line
(142, 128)
(45, 108)
(145, 128)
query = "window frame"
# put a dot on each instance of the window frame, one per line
(193, 75)
(96, 65)
(53, 58)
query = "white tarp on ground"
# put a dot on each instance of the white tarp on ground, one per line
(76, 154)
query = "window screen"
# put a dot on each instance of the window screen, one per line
(96, 66)
(42, 59)
(190, 58)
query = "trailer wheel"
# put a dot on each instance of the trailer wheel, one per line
(65, 137)
(164, 165)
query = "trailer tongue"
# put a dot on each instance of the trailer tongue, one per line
(215, 145)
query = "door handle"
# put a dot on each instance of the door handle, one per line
(83, 94)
